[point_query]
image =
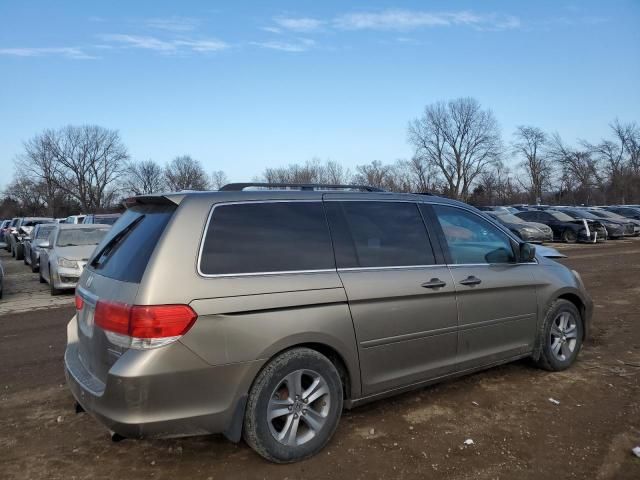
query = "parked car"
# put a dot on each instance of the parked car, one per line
(531, 232)
(33, 244)
(102, 218)
(4, 227)
(74, 219)
(615, 229)
(566, 228)
(300, 303)
(64, 255)
(9, 233)
(628, 212)
(607, 215)
(61, 220)
(23, 230)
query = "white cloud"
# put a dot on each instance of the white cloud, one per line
(139, 41)
(202, 45)
(68, 52)
(301, 45)
(272, 29)
(404, 20)
(300, 24)
(166, 46)
(173, 24)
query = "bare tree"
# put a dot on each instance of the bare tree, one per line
(580, 172)
(31, 195)
(218, 179)
(312, 171)
(38, 163)
(375, 174)
(529, 146)
(88, 162)
(144, 177)
(185, 173)
(459, 139)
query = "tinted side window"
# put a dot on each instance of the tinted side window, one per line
(378, 234)
(471, 239)
(267, 237)
(123, 254)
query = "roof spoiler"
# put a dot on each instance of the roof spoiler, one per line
(152, 200)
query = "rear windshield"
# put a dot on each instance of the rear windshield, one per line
(75, 237)
(124, 253)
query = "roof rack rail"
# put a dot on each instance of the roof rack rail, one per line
(238, 187)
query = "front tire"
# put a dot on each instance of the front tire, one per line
(561, 336)
(294, 406)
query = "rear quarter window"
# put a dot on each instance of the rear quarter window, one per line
(125, 251)
(267, 237)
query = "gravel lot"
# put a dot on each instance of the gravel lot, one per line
(22, 290)
(517, 431)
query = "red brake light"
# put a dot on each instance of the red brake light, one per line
(79, 302)
(144, 322)
(112, 316)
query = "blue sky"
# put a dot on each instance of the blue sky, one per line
(244, 85)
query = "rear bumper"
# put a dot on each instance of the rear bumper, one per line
(165, 392)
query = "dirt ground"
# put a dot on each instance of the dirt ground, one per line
(517, 431)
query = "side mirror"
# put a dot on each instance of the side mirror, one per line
(527, 253)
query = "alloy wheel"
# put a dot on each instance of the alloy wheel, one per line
(298, 407)
(563, 336)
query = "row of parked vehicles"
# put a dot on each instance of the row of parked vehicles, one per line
(57, 249)
(569, 224)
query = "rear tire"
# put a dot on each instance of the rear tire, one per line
(561, 336)
(569, 236)
(19, 253)
(294, 406)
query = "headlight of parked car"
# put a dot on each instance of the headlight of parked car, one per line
(66, 263)
(531, 231)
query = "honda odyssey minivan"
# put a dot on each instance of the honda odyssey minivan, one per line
(262, 311)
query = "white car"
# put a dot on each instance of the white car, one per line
(74, 219)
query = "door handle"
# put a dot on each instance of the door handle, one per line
(471, 280)
(434, 283)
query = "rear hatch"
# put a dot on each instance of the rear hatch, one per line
(112, 277)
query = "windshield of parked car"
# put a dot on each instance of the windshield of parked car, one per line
(105, 220)
(508, 218)
(74, 237)
(563, 217)
(44, 231)
(580, 214)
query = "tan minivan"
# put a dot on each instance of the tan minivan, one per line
(262, 312)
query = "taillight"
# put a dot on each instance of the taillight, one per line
(143, 326)
(79, 302)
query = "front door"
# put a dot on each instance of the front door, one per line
(402, 300)
(496, 295)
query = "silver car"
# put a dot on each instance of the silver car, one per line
(262, 314)
(65, 253)
(33, 244)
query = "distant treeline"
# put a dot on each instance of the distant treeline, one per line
(459, 152)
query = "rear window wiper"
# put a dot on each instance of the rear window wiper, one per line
(104, 251)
